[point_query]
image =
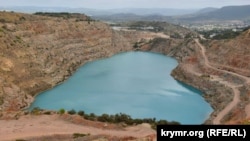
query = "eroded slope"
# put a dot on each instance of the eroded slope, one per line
(38, 52)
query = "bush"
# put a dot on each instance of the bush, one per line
(61, 111)
(36, 111)
(91, 116)
(77, 135)
(80, 113)
(47, 113)
(72, 112)
(122, 118)
(126, 119)
(104, 118)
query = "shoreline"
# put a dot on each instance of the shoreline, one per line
(64, 79)
(179, 73)
(72, 73)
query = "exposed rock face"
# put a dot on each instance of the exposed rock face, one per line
(39, 52)
(218, 82)
(235, 53)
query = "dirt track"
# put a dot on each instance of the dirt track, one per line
(236, 92)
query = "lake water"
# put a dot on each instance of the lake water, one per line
(135, 83)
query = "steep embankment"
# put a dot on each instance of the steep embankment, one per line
(233, 56)
(225, 86)
(235, 52)
(193, 70)
(40, 51)
(229, 82)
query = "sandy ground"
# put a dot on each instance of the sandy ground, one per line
(43, 125)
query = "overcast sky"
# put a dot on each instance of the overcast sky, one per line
(111, 4)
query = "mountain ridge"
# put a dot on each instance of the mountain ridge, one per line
(225, 13)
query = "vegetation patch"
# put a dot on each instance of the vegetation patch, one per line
(120, 118)
(72, 112)
(47, 112)
(222, 34)
(61, 111)
(123, 118)
(81, 113)
(36, 111)
(78, 135)
(1, 30)
(66, 15)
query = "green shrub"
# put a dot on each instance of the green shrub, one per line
(77, 135)
(124, 118)
(36, 111)
(80, 113)
(104, 118)
(47, 113)
(91, 116)
(61, 111)
(72, 112)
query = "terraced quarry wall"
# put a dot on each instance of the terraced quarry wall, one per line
(39, 52)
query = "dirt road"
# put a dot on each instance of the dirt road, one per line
(236, 92)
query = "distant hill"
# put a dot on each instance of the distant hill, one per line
(224, 13)
(206, 10)
(231, 13)
(127, 17)
(228, 13)
(154, 11)
(98, 12)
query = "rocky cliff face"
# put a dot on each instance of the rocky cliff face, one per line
(40, 51)
(223, 77)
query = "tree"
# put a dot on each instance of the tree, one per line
(104, 118)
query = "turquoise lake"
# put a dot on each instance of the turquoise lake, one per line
(135, 83)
